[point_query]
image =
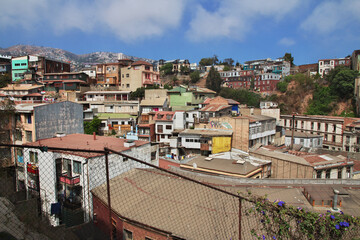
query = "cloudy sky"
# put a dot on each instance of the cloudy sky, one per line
(187, 29)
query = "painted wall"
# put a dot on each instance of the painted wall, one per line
(221, 144)
(64, 117)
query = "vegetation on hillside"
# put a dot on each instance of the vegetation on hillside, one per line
(243, 96)
(318, 96)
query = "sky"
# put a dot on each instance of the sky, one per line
(187, 29)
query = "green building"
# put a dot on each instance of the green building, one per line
(186, 99)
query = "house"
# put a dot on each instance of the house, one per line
(138, 74)
(105, 96)
(179, 65)
(238, 79)
(34, 122)
(65, 178)
(155, 100)
(247, 130)
(185, 99)
(5, 65)
(66, 81)
(109, 74)
(165, 123)
(269, 109)
(38, 65)
(266, 82)
(235, 163)
(289, 164)
(23, 93)
(325, 65)
(331, 128)
(205, 141)
(121, 123)
(303, 139)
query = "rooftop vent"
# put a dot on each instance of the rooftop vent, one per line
(208, 159)
(60, 134)
(129, 143)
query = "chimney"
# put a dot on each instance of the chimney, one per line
(94, 134)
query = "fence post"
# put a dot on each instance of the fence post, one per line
(108, 190)
(239, 218)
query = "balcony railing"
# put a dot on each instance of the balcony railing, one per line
(69, 180)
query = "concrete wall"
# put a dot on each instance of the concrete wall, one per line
(65, 117)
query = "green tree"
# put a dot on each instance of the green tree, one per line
(243, 96)
(139, 93)
(184, 70)
(213, 80)
(167, 69)
(228, 61)
(289, 58)
(341, 82)
(226, 68)
(282, 86)
(322, 102)
(92, 126)
(5, 80)
(206, 62)
(195, 76)
(167, 86)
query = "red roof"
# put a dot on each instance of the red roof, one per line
(141, 63)
(214, 108)
(85, 141)
(164, 116)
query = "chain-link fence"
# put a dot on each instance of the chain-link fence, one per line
(62, 193)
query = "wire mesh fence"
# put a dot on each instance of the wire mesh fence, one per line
(62, 193)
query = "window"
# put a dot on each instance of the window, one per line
(18, 135)
(23, 64)
(348, 172)
(127, 75)
(127, 85)
(318, 126)
(318, 174)
(327, 173)
(125, 159)
(33, 157)
(77, 167)
(326, 127)
(333, 138)
(168, 127)
(17, 64)
(28, 136)
(153, 156)
(312, 125)
(127, 235)
(160, 128)
(339, 173)
(28, 118)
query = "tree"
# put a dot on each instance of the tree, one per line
(139, 93)
(92, 126)
(282, 86)
(322, 102)
(206, 62)
(243, 96)
(5, 80)
(167, 86)
(213, 80)
(341, 81)
(167, 69)
(215, 59)
(229, 61)
(195, 76)
(226, 68)
(289, 58)
(184, 70)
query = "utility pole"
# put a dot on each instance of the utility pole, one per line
(292, 132)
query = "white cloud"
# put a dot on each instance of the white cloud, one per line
(330, 16)
(287, 41)
(127, 19)
(234, 18)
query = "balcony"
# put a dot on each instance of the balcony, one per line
(69, 180)
(33, 169)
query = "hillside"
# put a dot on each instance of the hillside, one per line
(299, 94)
(77, 61)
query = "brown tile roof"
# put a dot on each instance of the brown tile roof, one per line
(187, 210)
(85, 141)
(164, 116)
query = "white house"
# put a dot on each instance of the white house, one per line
(66, 178)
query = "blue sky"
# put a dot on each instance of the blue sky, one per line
(187, 29)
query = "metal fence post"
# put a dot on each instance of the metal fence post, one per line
(108, 190)
(239, 218)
